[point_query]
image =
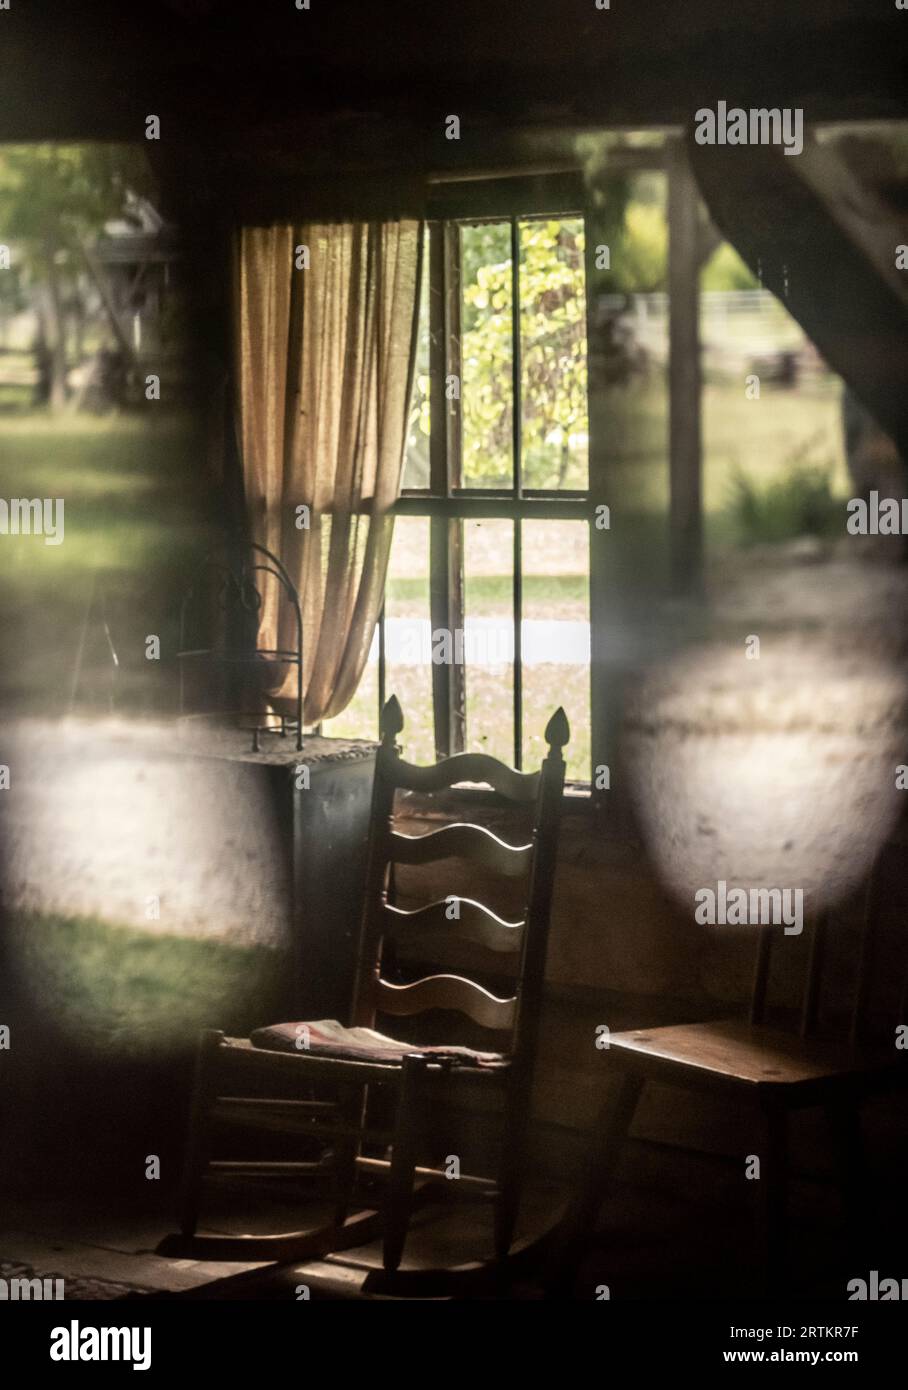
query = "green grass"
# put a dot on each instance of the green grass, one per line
(761, 439)
(409, 597)
(135, 502)
(114, 988)
(131, 487)
(801, 504)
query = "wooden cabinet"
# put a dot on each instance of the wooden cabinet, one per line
(317, 803)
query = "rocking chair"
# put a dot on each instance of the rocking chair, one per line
(241, 1080)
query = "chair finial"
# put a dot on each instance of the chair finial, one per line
(391, 721)
(558, 730)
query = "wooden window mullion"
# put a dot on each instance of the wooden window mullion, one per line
(382, 665)
(602, 735)
(445, 554)
(457, 714)
(517, 454)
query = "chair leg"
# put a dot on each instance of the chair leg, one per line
(351, 1113)
(399, 1196)
(844, 1121)
(511, 1171)
(196, 1161)
(610, 1130)
(773, 1199)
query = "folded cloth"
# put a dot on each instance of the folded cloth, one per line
(329, 1038)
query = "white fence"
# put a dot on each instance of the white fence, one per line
(739, 329)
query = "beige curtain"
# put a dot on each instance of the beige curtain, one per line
(324, 365)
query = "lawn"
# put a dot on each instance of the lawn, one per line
(134, 495)
(116, 989)
(134, 502)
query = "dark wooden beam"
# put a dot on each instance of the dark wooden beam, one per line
(815, 237)
(233, 79)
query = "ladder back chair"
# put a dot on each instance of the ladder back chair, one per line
(233, 1076)
(777, 1069)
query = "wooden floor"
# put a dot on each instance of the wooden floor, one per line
(100, 1254)
(678, 1225)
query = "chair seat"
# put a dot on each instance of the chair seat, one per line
(750, 1054)
(328, 1038)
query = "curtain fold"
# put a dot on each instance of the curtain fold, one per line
(324, 370)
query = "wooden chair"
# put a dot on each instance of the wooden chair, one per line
(247, 1080)
(772, 1069)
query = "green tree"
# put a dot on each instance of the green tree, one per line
(726, 271)
(53, 198)
(552, 347)
(553, 309)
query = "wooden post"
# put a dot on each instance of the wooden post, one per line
(685, 453)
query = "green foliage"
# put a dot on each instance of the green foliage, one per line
(800, 502)
(726, 271)
(631, 220)
(639, 259)
(553, 353)
(631, 217)
(53, 200)
(52, 196)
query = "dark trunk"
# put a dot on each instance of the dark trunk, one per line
(54, 363)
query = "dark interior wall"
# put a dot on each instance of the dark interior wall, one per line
(234, 72)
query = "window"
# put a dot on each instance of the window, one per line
(486, 625)
(542, 524)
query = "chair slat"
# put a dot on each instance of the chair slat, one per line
(474, 923)
(761, 976)
(471, 842)
(810, 1008)
(462, 767)
(869, 918)
(447, 992)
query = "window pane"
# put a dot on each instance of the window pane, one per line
(488, 641)
(486, 355)
(408, 656)
(553, 353)
(555, 638)
(360, 718)
(416, 458)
